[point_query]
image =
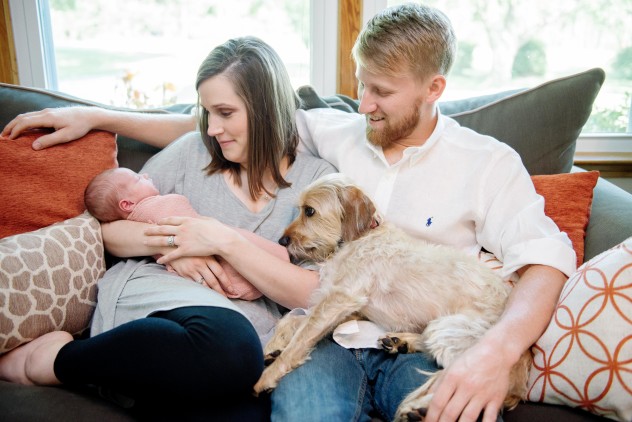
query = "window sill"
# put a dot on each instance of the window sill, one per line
(604, 149)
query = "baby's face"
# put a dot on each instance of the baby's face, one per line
(136, 186)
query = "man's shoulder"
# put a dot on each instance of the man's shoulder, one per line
(470, 139)
(331, 115)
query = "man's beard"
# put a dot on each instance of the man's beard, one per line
(393, 132)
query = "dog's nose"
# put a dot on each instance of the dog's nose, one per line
(284, 241)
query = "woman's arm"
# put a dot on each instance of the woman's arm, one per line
(71, 123)
(125, 239)
(285, 283)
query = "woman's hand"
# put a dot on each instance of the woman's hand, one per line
(69, 123)
(189, 236)
(202, 269)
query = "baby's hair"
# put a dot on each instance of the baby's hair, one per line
(101, 197)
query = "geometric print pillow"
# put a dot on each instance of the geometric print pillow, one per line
(48, 280)
(584, 358)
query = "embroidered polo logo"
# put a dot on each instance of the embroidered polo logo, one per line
(429, 221)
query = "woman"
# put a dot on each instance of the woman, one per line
(175, 344)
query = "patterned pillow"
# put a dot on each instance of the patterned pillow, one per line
(584, 358)
(48, 280)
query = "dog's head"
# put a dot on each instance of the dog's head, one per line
(332, 211)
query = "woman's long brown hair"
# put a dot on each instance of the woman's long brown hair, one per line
(261, 80)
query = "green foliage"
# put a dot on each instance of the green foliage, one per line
(530, 60)
(622, 65)
(255, 6)
(63, 5)
(464, 56)
(299, 18)
(604, 120)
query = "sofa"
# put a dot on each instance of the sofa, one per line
(541, 123)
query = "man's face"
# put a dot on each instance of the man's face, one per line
(392, 106)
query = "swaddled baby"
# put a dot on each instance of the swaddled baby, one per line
(121, 193)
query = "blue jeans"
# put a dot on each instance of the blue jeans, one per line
(339, 384)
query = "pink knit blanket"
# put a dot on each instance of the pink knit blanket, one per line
(154, 208)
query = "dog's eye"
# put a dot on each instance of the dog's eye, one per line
(309, 211)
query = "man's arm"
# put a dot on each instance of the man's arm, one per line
(71, 123)
(478, 380)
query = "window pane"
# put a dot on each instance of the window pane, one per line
(145, 53)
(506, 44)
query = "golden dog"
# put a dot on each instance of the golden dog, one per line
(432, 299)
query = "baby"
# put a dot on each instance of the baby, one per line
(120, 193)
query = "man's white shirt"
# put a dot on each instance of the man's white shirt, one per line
(459, 188)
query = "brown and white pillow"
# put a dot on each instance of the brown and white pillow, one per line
(48, 280)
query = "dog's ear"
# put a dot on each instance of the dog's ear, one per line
(359, 213)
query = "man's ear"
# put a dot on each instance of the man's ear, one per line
(436, 88)
(126, 205)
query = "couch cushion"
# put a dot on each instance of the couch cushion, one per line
(584, 358)
(567, 201)
(542, 123)
(610, 217)
(20, 403)
(48, 280)
(47, 186)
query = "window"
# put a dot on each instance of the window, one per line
(147, 51)
(520, 43)
(508, 44)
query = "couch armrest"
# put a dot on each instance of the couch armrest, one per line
(610, 219)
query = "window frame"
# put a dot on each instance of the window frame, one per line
(36, 63)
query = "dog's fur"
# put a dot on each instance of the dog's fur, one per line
(433, 299)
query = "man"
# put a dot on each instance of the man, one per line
(435, 179)
(443, 183)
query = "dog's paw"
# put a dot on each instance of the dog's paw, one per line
(265, 384)
(269, 358)
(415, 405)
(392, 344)
(413, 410)
(414, 415)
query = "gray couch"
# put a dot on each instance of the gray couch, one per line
(541, 123)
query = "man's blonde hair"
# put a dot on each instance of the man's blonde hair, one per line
(407, 38)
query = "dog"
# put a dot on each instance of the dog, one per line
(430, 298)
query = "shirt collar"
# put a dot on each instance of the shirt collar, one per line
(413, 154)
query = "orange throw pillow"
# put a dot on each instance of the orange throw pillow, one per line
(567, 201)
(39, 188)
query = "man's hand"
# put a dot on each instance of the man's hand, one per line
(476, 382)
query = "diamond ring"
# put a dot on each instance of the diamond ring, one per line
(171, 241)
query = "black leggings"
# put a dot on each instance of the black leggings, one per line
(198, 362)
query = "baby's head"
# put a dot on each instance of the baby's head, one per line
(114, 193)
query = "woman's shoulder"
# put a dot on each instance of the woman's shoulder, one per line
(307, 168)
(307, 161)
(189, 141)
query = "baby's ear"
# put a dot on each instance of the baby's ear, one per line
(126, 205)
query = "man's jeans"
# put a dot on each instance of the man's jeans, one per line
(339, 384)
